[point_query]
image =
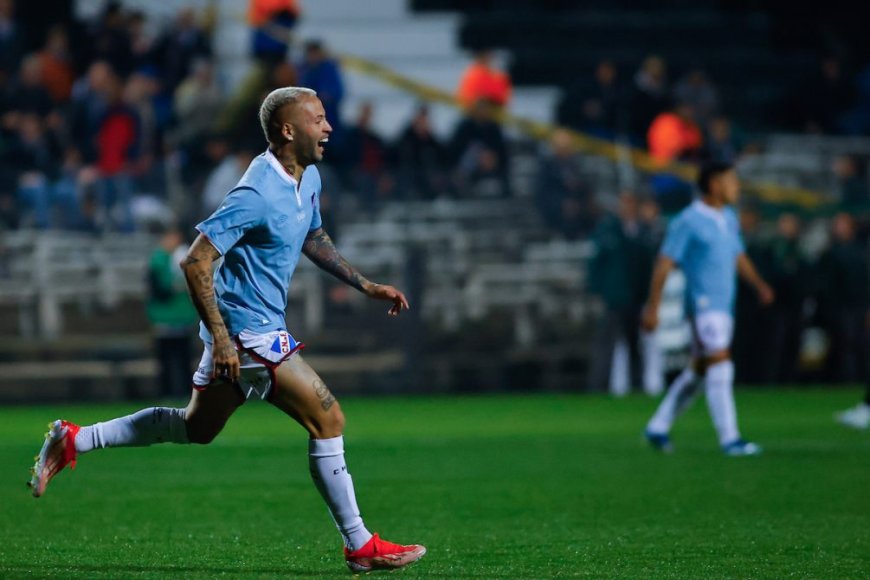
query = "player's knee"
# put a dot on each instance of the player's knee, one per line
(717, 357)
(329, 424)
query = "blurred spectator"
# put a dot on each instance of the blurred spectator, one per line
(116, 144)
(697, 90)
(480, 154)
(230, 164)
(614, 276)
(272, 22)
(367, 157)
(178, 48)
(852, 187)
(322, 73)
(421, 159)
(34, 155)
(88, 107)
(141, 42)
(652, 232)
(56, 64)
(171, 314)
(601, 109)
(27, 93)
(674, 135)
(244, 105)
(481, 80)
(650, 96)
(110, 40)
(822, 101)
(789, 276)
(141, 95)
(197, 102)
(844, 298)
(561, 192)
(722, 143)
(12, 45)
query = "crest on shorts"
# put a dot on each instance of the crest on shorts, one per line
(281, 344)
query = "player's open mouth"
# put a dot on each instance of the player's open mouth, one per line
(322, 143)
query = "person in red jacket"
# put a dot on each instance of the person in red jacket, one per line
(116, 147)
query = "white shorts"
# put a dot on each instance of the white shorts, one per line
(259, 355)
(711, 332)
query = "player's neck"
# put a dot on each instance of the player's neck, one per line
(285, 157)
(711, 201)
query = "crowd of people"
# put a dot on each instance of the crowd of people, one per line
(91, 114)
(92, 137)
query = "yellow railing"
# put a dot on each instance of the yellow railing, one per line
(767, 192)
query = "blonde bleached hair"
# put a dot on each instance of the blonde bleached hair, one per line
(273, 103)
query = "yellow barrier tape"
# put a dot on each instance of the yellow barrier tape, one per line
(767, 192)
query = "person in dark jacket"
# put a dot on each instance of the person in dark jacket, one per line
(788, 272)
(844, 298)
(614, 276)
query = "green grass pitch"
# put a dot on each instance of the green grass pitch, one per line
(496, 487)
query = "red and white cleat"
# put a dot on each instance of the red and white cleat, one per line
(58, 451)
(379, 554)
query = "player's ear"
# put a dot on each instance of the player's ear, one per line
(287, 131)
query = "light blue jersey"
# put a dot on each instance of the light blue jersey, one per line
(259, 230)
(706, 242)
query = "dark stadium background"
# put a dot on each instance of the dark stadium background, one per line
(499, 263)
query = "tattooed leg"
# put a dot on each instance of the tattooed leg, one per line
(303, 395)
(326, 398)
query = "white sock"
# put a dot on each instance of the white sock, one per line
(620, 369)
(679, 397)
(720, 400)
(651, 353)
(330, 475)
(145, 427)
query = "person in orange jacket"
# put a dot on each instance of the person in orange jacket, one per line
(482, 81)
(674, 135)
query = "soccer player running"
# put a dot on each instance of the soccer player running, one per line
(260, 229)
(704, 241)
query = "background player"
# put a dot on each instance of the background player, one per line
(704, 241)
(260, 229)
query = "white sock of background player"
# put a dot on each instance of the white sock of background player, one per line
(720, 400)
(679, 397)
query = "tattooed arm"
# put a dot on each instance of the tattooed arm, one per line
(197, 267)
(318, 247)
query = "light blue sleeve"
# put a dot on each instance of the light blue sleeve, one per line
(242, 210)
(677, 239)
(738, 235)
(316, 220)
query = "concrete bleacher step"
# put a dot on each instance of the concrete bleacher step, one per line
(343, 10)
(378, 40)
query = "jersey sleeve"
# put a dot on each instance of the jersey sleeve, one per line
(316, 220)
(738, 233)
(677, 240)
(242, 210)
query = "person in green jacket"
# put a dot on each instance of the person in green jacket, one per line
(171, 314)
(614, 275)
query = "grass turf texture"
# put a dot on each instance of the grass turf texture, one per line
(495, 487)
